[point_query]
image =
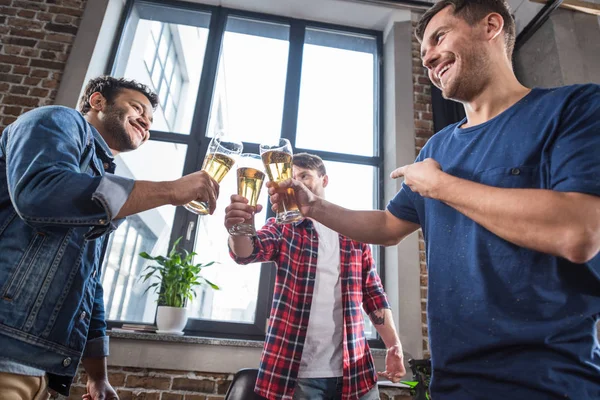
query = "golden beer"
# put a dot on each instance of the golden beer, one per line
(217, 165)
(250, 182)
(278, 165)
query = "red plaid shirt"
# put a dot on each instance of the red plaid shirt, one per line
(294, 248)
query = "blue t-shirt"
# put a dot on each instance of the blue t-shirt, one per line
(506, 322)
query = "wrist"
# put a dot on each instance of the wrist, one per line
(442, 182)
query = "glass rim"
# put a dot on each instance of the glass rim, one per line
(271, 146)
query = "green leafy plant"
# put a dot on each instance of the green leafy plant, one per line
(177, 276)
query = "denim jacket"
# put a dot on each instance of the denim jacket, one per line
(58, 198)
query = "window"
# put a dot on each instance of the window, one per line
(258, 77)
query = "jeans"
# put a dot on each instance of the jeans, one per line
(326, 389)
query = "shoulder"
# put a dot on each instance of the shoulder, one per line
(586, 94)
(53, 113)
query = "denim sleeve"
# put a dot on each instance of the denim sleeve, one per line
(575, 155)
(112, 193)
(97, 341)
(43, 150)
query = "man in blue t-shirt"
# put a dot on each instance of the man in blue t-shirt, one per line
(509, 203)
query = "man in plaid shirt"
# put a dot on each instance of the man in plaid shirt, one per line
(315, 346)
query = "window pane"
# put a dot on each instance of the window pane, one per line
(148, 231)
(249, 92)
(182, 33)
(236, 301)
(352, 186)
(337, 93)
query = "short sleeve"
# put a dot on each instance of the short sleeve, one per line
(575, 154)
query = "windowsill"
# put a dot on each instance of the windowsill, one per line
(191, 353)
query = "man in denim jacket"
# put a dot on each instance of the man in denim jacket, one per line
(59, 200)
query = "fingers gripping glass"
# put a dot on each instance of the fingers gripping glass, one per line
(250, 178)
(220, 157)
(277, 159)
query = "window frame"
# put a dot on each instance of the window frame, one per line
(185, 223)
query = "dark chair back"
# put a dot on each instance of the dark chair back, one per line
(242, 386)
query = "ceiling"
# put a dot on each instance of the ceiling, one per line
(368, 14)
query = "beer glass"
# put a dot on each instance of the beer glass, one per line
(220, 157)
(277, 158)
(250, 178)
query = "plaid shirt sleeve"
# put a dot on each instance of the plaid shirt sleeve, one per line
(266, 244)
(374, 297)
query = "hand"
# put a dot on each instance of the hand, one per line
(99, 390)
(394, 364)
(196, 186)
(421, 177)
(239, 211)
(304, 197)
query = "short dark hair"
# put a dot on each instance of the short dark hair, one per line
(310, 161)
(110, 87)
(472, 11)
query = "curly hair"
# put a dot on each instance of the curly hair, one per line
(110, 87)
(472, 11)
(310, 161)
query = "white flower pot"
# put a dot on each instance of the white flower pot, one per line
(171, 320)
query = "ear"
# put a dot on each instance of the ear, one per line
(325, 181)
(97, 101)
(494, 25)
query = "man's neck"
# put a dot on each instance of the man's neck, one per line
(499, 95)
(95, 122)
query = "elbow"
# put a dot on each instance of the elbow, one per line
(582, 246)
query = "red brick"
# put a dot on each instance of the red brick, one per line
(47, 64)
(56, 37)
(20, 41)
(21, 70)
(195, 397)
(147, 382)
(53, 84)
(11, 78)
(26, 13)
(223, 386)
(48, 55)
(21, 101)
(31, 81)
(61, 28)
(15, 60)
(115, 378)
(43, 16)
(16, 89)
(7, 121)
(171, 396)
(54, 46)
(8, 10)
(29, 5)
(9, 110)
(193, 385)
(137, 395)
(63, 10)
(27, 33)
(23, 23)
(63, 19)
(4, 87)
(39, 73)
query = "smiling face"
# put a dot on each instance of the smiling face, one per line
(311, 179)
(125, 122)
(455, 56)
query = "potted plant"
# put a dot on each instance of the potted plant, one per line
(177, 279)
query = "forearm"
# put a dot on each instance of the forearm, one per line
(145, 196)
(384, 324)
(363, 226)
(241, 246)
(561, 224)
(95, 368)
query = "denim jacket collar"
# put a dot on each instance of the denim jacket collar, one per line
(102, 150)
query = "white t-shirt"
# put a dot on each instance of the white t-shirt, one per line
(323, 353)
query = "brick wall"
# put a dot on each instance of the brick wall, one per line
(423, 131)
(35, 40)
(159, 384)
